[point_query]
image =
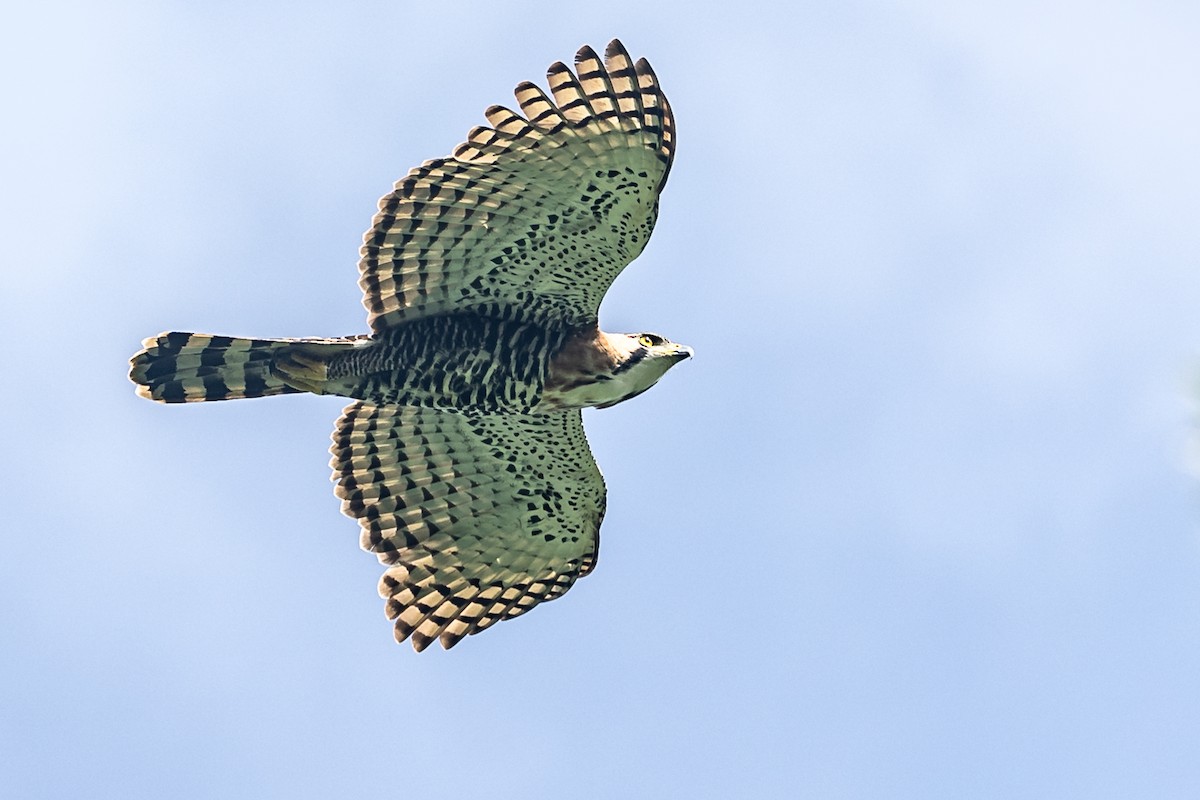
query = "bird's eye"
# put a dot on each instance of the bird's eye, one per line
(646, 340)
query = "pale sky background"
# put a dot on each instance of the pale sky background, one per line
(917, 521)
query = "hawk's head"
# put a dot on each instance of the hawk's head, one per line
(642, 358)
(600, 369)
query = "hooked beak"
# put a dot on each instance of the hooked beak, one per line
(682, 351)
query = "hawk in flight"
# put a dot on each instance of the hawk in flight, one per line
(463, 455)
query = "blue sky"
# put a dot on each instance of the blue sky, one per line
(917, 521)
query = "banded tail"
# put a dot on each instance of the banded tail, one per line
(180, 367)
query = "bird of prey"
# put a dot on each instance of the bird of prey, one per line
(463, 455)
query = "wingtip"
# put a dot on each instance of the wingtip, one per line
(584, 53)
(449, 639)
(616, 51)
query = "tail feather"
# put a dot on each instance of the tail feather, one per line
(181, 367)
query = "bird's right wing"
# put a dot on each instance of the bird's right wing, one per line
(534, 216)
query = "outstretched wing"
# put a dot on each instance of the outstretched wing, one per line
(479, 518)
(535, 216)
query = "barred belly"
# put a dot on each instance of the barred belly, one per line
(462, 362)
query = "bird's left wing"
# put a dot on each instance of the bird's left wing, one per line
(479, 519)
(534, 216)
